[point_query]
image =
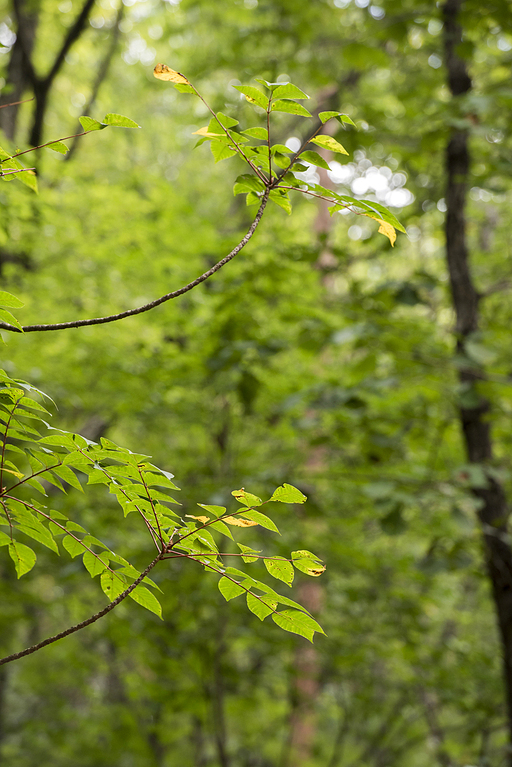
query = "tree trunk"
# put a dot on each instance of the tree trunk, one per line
(19, 74)
(493, 512)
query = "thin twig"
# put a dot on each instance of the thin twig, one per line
(83, 624)
(156, 302)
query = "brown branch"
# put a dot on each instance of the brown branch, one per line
(72, 36)
(152, 304)
(83, 624)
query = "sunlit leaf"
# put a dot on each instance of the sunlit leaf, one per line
(89, 124)
(253, 95)
(248, 499)
(261, 607)
(58, 146)
(163, 72)
(119, 121)
(315, 159)
(328, 142)
(146, 599)
(7, 299)
(289, 91)
(281, 569)
(23, 557)
(288, 494)
(229, 589)
(238, 522)
(298, 623)
(291, 107)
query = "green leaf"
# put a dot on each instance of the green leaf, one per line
(297, 623)
(95, 564)
(248, 550)
(40, 534)
(222, 528)
(28, 178)
(112, 585)
(385, 214)
(328, 142)
(261, 519)
(217, 511)
(229, 589)
(248, 499)
(291, 107)
(307, 563)
(221, 151)
(341, 118)
(261, 607)
(281, 199)
(147, 599)
(289, 91)
(247, 183)
(119, 121)
(58, 146)
(89, 124)
(183, 88)
(226, 120)
(7, 299)
(4, 539)
(253, 95)
(258, 132)
(72, 546)
(65, 473)
(23, 557)
(288, 494)
(281, 569)
(11, 319)
(315, 159)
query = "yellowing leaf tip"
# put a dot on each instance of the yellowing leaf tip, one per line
(388, 231)
(163, 72)
(238, 522)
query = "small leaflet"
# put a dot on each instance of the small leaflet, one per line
(328, 142)
(119, 121)
(237, 522)
(388, 231)
(163, 72)
(7, 299)
(90, 124)
(58, 146)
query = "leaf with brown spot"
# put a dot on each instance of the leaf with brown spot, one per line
(199, 519)
(237, 522)
(163, 72)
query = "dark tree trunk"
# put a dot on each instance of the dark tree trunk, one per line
(19, 72)
(476, 429)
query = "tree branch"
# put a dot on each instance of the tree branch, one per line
(83, 624)
(152, 304)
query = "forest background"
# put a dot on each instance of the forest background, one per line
(320, 356)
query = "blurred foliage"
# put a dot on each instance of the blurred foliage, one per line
(319, 357)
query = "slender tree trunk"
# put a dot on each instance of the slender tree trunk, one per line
(19, 74)
(476, 429)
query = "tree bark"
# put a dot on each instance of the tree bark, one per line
(476, 429)
(19, 71)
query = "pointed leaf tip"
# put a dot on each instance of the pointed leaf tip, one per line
(163, 72)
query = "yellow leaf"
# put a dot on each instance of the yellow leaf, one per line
(388, 230)
(237, 522)
(163, 72)
(204, 132)
(316, 571)
(199, 519)
(16, 473)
